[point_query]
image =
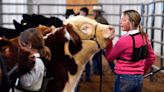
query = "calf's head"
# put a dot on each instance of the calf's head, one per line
(89, 29)
(14, 55)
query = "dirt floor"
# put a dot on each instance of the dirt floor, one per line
(157, 85)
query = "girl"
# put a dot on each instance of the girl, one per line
(32, 40)
(133, 53)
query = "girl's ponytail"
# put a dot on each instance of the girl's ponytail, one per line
(141, 30)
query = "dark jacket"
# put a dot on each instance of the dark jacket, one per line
(101, 20)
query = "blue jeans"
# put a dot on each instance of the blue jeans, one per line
(128, 83)
(87, 71)
(96, 63)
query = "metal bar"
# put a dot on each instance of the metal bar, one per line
(130, 4)
(30, 7)
(115, 24)
(147, 17)
(152, 24)
(1, 11)
(156, 15)
(152, 73)
(38, 7)
(154, 41)
(70, 4)
(160, 56)
(111, 14)
(120, 18)
(113, 4)
(162, 25)
(152, 35)
(11, 13)
(2, 24)
(16, 4)
(156, 28)
(142, 13)
(31, 13)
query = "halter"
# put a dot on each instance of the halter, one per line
(95, 38)
(100, 57)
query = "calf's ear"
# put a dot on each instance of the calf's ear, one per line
(75, 43)
(5, 51)
(26, 16)
(5, 47)
(16, 25)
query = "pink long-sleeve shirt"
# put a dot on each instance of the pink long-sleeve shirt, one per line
(123, 48)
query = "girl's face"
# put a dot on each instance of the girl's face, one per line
(125, 23)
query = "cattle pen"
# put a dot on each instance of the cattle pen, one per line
(152, 20)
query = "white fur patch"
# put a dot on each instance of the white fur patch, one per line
(67, 35)
(53, 32)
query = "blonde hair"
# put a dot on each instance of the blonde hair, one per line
(134, 18)
(35, 38)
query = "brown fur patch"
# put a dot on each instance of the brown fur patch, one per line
(75, 44)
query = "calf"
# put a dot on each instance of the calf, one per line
(8, 32)
(17, 61)
(71, 46)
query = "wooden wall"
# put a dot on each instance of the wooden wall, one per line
(77, 8)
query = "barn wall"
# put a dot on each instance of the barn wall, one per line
(83, 2)
(20, 9)
(51, 9)
(12, 9)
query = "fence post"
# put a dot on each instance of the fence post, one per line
(152, 24)
(152, 34)
(29, 6)
(162, 26)
(142, 14)
(38, 6)
(101, 5)
(147, 18)
(1, 15)
(120, 18)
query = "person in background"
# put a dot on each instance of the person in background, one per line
(97, 13)
(84, 11)
(133, 53)
(32, 40)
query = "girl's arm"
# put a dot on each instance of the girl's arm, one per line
(32, 77)
(112, 53)
(151, 57)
